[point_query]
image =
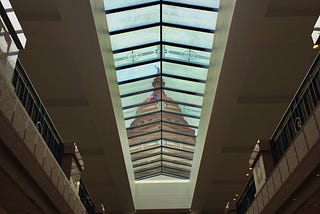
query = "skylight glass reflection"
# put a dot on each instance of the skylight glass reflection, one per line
(161, 64)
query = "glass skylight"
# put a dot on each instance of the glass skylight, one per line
(162, 51)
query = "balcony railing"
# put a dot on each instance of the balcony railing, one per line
(246, 197)
(36, 110)
(302, 105)
(86, 199)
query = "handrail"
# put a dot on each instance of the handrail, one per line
(301, 106)
(32, 103)
(246, 197)
(86, 199)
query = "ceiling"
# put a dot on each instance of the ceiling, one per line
(268, 51)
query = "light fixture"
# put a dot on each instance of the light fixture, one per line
(247, 174)
(315, 46)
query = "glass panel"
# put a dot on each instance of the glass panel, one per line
(133, 38)
(180, 120)
(179, 129)
(149, 137)
(188, 110)
(146, 160)
(186, 55)
(182, 97)
(136, 86)
(177, 145)
(175, 172)
(181, 154)
(137, 56)
(150, 172)
(143, 120)
(138, 71)
(189, 17)
(131, 112)
(145, 146)
(142, 168)
(133, 18)
(193, 38)
(146, 153)
(112, 4)
(185, 85)
(176, 159)
(184, 70)
(177, 166)
(179, 138)
(136, 99)
(143, 130)
(204, 3)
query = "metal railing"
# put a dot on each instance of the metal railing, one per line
(86, 199)
(36, 110)
(246, 197)
(299, 110)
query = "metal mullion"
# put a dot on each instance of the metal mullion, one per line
(187, 46)
(144, 142)
(173, 162)
(144, 164)
(142, 125)
(179, 133)
(136, 64)
(141, 27)
(190, 6)
(185, 63)
(186, 27)
(136, 47)
(147, 169)
(149, 156)
(144, 150)
(138, 92)
(161, 80)
(184, 115)
(163, 43)
(176, 156)
(156, 101)
(142, 115)
(175, 176)
(131, 7)
(180, 150)
(176, 169)
(137, 79)
(140, 104)
(143, 134)
(185, 78)
(184, 143)
(184, 91)
(177, 124)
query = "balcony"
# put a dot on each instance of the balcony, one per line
(284, 163)
(28, 135)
